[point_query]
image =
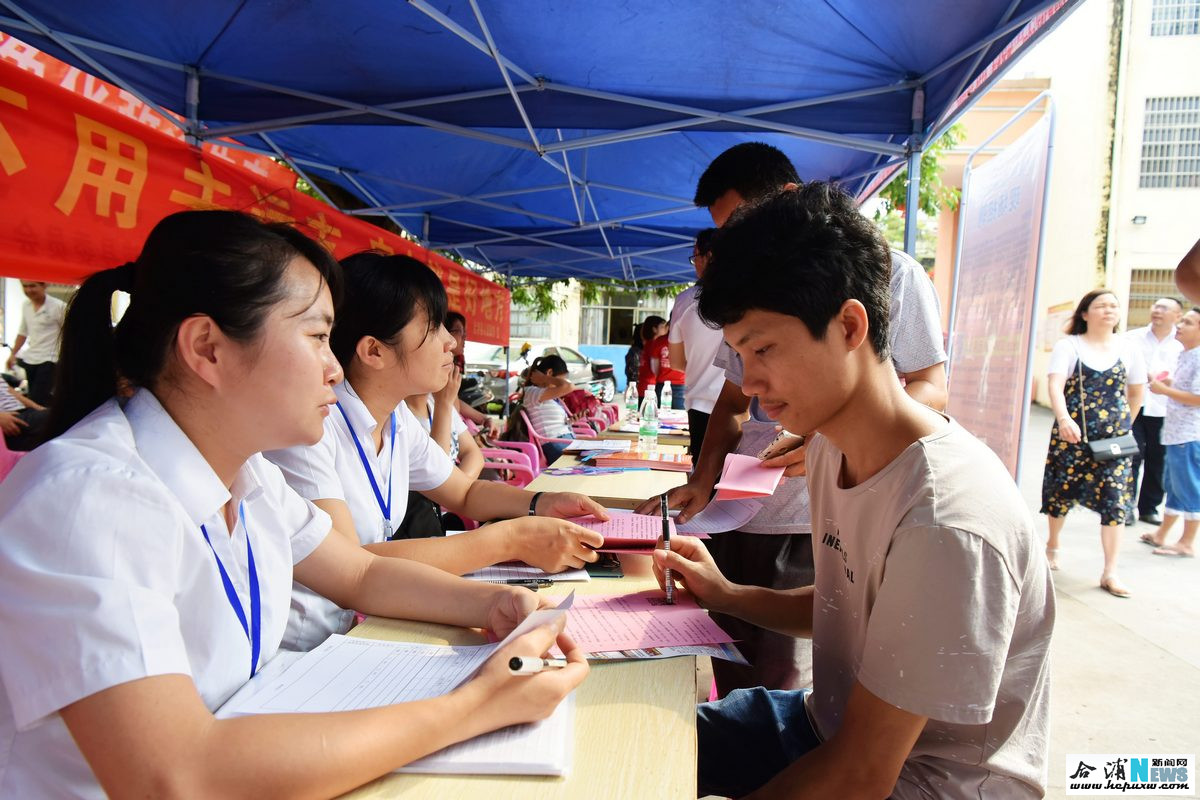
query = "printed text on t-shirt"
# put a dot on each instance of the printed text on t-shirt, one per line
(833, 540)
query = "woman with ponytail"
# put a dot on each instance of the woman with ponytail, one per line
(147, 553)
(390, 341)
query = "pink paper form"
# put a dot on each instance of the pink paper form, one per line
(626, 529)
(744, 476)
(600, 623)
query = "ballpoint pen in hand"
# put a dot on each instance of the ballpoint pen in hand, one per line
(528, 583)
(668, 578)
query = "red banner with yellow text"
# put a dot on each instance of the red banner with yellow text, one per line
(86, 172)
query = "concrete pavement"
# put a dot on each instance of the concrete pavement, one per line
(1125, 672)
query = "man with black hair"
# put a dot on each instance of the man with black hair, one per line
(775, 548)
(932, 608)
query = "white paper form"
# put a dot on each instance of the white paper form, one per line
(347, 673)
(721, 516)
(615, 445)
(508, 572)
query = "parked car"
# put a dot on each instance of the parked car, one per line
(487, 361)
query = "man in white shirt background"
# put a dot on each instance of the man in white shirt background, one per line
(41, 326)
(692, 346)
(1161, 350)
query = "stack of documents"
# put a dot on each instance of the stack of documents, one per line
(346, 673)
(745, 476)
(671, 462)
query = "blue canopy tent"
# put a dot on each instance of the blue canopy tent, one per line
(549, 137)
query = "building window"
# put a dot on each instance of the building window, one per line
(1171, 143)
(1146, 286)
(1175, 18)
(524, 324)
(612, 320)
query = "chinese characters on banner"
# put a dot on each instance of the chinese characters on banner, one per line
(997, 274)
(86, 171)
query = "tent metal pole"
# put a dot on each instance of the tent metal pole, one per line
(912, 199)
(365, 192)
(363, 108)
(509, 235)
(639, 192)
(469, 38)
(507, 363)
(98, 68)
(454, 198)
(500, 61)
(301, 120)
(193, 107)
(570, 180)
(669, 127)
(1016, 24)
(425, 220)
(299, 171)
(981, 54)
(853, 142)
(543, 237)
(458, 198)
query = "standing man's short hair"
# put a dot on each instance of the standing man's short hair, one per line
(752, 169)
(802, 252)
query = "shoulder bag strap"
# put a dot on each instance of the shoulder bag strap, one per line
(1082, 399)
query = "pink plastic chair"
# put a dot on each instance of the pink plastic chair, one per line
(539, 440)
(514, 462)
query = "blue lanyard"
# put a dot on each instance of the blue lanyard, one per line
(253, 628)
(384, 508)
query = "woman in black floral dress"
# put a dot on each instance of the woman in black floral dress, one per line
(1097, 376)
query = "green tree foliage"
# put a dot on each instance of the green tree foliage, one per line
(541, 298)
(934, 195)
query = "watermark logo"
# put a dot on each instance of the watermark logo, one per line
(1130, 773)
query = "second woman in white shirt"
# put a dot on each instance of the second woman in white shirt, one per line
(390, 341)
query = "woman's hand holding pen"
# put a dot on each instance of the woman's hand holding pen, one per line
(551, 544)
(693, 568)
(503, 699)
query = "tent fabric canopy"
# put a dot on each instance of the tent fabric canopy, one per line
(547, 137)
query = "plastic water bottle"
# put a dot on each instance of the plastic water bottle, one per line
(631, 403)
(666, 395)
(648, 429)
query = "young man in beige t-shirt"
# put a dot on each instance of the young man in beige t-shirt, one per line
(932, 609)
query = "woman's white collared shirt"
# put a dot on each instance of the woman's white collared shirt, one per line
(333, 470)
(105, 578)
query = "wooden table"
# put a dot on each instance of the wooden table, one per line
(621, 490)
(635, 722)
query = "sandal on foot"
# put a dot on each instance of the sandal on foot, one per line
(1113, 585)
(1052, 557)
(1148, 538)
(1171, 550)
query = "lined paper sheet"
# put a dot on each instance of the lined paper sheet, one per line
(725, 651)
(346, 673)
(625, 529)
(502, 572)
(720, 516)
(601, 623)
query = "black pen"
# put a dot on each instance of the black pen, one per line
(668, 578)
(528, 583)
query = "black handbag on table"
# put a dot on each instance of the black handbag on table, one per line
(1109, 449)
